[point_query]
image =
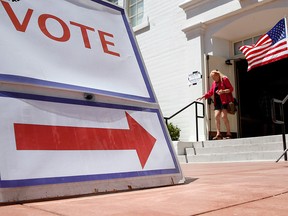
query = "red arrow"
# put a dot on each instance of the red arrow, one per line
(43, 137)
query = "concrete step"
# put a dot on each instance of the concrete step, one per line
(180, 147)
(182, 159)
(268, 148)
(235, 157)
(241, 141)
(235, 148)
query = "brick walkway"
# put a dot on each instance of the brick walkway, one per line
(254, 188)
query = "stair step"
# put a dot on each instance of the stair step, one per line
(242, 141)
(182, 159)
(180, 147)
(235, 148)
(268, 148)
(234, 157)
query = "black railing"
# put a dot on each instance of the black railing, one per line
(196, 115)
(281, 122)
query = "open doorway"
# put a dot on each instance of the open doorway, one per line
(256, 88)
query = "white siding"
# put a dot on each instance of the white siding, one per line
(169, 58)
(181, 32)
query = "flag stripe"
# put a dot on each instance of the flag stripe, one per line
(270, 47)
(270, 59)
(267, 52)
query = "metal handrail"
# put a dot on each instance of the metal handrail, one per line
(196, 115)
(282, 122)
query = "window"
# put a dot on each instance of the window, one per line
(135, 11)
(248, 41)
(237, 45)
(113, 1)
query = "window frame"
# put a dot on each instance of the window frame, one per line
(145, 19)
(114, 2)
(253, 39)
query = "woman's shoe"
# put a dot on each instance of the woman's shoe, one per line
(217, 137)
(228, 136)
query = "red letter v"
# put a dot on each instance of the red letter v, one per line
(20, 27)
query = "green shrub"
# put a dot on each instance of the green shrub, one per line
(174, 132)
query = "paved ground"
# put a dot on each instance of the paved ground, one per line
(254, 188)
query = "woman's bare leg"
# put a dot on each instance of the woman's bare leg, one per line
(226, 121)
(217, 114)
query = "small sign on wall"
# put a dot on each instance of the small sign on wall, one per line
(194, 78)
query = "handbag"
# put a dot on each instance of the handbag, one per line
(232, 107)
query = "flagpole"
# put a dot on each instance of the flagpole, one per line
(285, 20)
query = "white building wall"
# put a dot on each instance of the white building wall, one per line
(180, 33)
(169, 57)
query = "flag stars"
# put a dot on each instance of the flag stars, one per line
(269, 48)
(278, 32)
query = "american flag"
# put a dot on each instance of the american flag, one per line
(270, 47)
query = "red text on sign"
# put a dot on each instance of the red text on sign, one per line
(105, 37)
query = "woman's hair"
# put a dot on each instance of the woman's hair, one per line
(216, 71)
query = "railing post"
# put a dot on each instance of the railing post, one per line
(282, 122)
(166, 121)
(283, 132)
(284, 142)
(196, 115)
(196, 112)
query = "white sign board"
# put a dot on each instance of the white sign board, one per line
(48, 136)
(48, 140)
(84, 46)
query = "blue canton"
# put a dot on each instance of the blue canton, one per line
(278, 32)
